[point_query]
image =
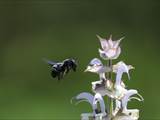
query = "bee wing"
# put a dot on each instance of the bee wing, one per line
(51, 63)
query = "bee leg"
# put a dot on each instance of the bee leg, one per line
(67, 69)
(59, 77)
(63, 74)
(74, 69)
(74, 66)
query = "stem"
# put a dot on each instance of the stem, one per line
(110, 78)
(110, 73)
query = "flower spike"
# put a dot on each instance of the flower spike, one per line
(115, 90)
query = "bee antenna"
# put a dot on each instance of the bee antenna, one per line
(75, 58)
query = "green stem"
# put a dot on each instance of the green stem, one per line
(110, 78)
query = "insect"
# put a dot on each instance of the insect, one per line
(60, 69)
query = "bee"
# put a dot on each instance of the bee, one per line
(60, 69)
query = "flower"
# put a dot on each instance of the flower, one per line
(93, 100)
(121, 94)
(127, 97)
(96, 66)
(110, 49)
(121, 68)
(119, 87)
(123, 102)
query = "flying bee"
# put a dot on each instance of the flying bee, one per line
(60, 69)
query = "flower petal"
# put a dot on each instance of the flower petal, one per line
(118, 52)
(116, 43)
(139, 98)
(118, 78)
(98, 98)
(110, 43)
(95, 61)
(104, 43)
(125, 99)
(103, 54)
(122, 67)
(85, 96)
(111, 53)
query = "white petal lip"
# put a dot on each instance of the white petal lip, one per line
(95, 66)
(121, 66)
(95, 61)
(87, 96)
(87, 69)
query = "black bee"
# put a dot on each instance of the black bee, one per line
(60, 69)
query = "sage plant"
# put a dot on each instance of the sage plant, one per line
(115, 90)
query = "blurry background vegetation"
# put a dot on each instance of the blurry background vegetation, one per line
(56, 29)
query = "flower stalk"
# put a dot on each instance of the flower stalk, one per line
(110, 78)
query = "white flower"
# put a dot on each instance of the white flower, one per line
(123, 102)
(96, 66)
(110, 49)
(121, 68)
(93, 100)
(119, 87)
(121, 94)
(127, 97)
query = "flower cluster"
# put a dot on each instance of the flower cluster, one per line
(116, 91)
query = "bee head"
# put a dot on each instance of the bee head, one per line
(71, 64)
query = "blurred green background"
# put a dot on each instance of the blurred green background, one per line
(56, 29)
